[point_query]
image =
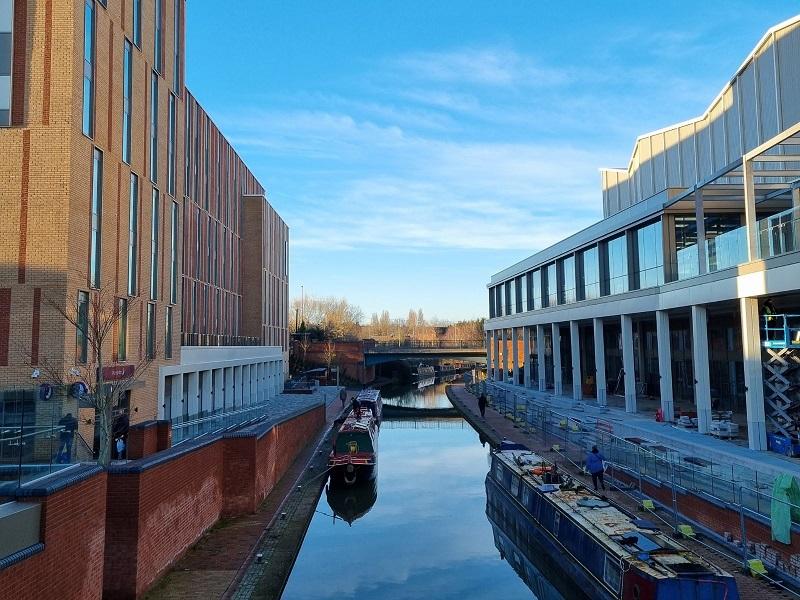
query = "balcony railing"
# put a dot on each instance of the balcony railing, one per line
(688, 265)
(727, 250)
(208, 339)
(778, 234)
(425, 345)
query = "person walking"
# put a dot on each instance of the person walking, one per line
(482, 405)
(343, 396)
(594, 464)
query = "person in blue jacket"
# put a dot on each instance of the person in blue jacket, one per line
(594, 464)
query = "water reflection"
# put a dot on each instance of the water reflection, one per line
(351, 502)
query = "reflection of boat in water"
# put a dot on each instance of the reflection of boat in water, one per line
(423, 383)
(446, 370)
(351, 502)
(448, 378)
(355, 445)
(607, 552)
(424, 371)
(530, 560)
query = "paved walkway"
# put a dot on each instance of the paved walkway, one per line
(496, 427)
(216, 563)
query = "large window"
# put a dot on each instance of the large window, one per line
(617, 265)
(122, 329)
(498, 300)
(88, 68)
(171, 141)
(127, 100)
(521, 293)
(168, 333)
(95, 241)
(507, 298)
(173, 259)
(590, 274)
(154, 247)
(567, 291)
(537, 289)
(158, 37)
(6, 56)
(133, 236)
(151, 331)
(82, 328)
(154, 126)
(137, 22)
(492, 314)
(549, 285)
(177, 40)
(650, 256)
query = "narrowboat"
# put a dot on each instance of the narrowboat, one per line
(609, 553)
(354, 454)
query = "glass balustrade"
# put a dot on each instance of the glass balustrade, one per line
(688, 265)
(727, 250)
(778, 234)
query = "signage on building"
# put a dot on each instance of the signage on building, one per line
(118, 372)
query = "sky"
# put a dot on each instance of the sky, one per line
(415, 148)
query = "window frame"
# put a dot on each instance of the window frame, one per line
(89, 65)
(133, 235)
(127, 100)
(155, 205)
(96, 220)
(81, 332)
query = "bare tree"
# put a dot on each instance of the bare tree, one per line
(96, 320)
(329, 353)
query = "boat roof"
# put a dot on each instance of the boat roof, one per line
(616, 530)
(369, 395)
(364, 422)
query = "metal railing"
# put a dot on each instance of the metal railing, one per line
(739, 489)
(208, 339)
(425, 345)
(214, 422)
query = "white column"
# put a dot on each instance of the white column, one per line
(702, 379)
(194, 393)
(575, 348)
(488, 338)
(795, 198)
(504, 344)
(219, 386)
(665, 365)
(558, 386)
(753, 374)
(750, 210)
(514, 356)
(230, 400)
(205, 391)
(628, 363)
(542, 375)
(496, 354)
(526, 352)
(600, 361)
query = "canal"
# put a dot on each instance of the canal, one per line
(422, 530)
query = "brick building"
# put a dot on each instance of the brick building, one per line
(113, 179)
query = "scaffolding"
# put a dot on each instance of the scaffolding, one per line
(781, 341)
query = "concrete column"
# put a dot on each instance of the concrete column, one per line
(219, 387)
(702, 379)
(750, 210)
(558, 384)
(542, 375)
(628, 363)
(504, 349)
(245, 370)
(753, 374)
(514, 355)
(194, 393)
(526, 352)
(488, 337)
(496, 354)
(665, 365)
(176, 408)
(700, 220)
(795, 198)
(600, 361)
(575, 348)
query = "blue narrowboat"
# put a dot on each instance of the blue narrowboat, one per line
(606, 551)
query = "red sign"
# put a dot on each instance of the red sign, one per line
(118, 372)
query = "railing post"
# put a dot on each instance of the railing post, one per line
(742, 526)
(638, 470)
(674, 495)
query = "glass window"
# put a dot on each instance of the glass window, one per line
(151, 330)
(81, 329)
(590, 273)
(567, 291)
(537, 289)
(177, 39)
(529, 290)
(158, 39)
(122, 329)
(6, 57)
(154, 127)
(137, 22)
(173, 259)
(127, 100)
(154, 228)
(617, 265)
(522, 295)
(507, 298)
(492, 314)
(168, 334)
(133, 236)
(207, 172)
(650, 255)
(187, 135)
(549, 285)
(499, 300)
(95, 243)
(88, 68)
(171, 136)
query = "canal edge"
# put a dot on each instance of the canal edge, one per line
(477, 423)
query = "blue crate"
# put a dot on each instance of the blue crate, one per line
(782, 445)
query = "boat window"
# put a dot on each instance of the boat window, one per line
(499, 471)
(526, 496)
(514, 486)
(611, 574)
(556, 522)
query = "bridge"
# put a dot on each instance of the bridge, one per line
(382, 352)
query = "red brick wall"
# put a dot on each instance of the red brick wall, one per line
(73, 530)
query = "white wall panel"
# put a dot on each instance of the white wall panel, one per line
(749, 107)
(767, 99)
(788, 62)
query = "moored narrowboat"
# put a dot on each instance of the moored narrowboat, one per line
(354, 454)
(608, 552)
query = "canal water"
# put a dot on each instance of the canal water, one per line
(422, 530)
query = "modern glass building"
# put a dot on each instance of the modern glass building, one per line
(659, 304)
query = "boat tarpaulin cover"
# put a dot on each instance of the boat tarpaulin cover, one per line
(785, 507)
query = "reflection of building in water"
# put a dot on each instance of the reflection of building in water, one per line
(511, 530)
(351, 502)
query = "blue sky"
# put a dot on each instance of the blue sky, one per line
(417, 147)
